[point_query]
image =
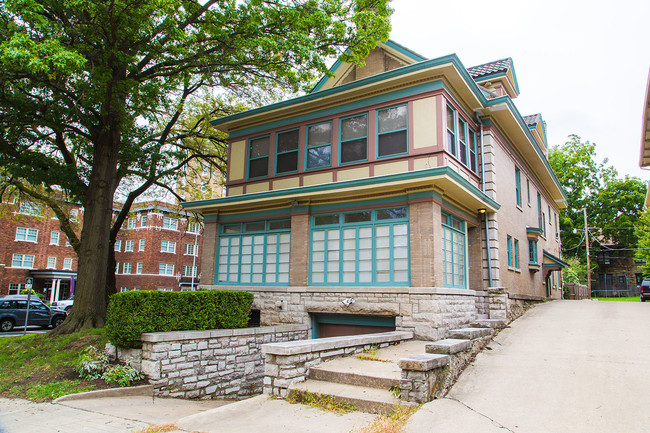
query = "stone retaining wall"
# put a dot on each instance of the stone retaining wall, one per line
(225, 363)
(289, 363)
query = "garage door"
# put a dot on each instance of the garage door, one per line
(336, 325)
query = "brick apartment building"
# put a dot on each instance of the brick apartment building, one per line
(156, 249)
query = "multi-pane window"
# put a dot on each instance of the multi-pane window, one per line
(128, 245)
(67, 242)
(509, 240)
(170, 223)
(391, 131)
(29, 208)
(168, 247)
(124, 289)
(117, 268)
(22, 261)
(166, 269)
(25, 234)
(532, 252)
(354, 138)
(516, 251)
(473, 165)
(143, 221)
(141, 245)
(319, 145)
(360, 248)
(462, 141)
(67, 264)
(15, 288)
(126, 268)
(451, 130)
(287, 151)
(518, 185)
(258, 157)
(74, 215)
(193, 228)
(191, 250)
(118, 245)
(453, 241)
(557, 234)
(51, 262)
(138, 268)
(54, 238)
(130, 223)
(255, 252)
(539, 212)
(189, 271)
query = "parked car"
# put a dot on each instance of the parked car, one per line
(644, 290)
(13, 309)
(64, 304)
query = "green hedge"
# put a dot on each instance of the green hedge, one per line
(133, 313)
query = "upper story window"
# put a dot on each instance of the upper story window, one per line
(128, 245)
(30, 208)
(25, 234)
(193, 228)
(528, 191)
(354, 139)
(167, 247)
(287, 151)
(170, 223)
(74, 214)
(143, 221)
(258, 157)
(118, 245)
(462, 141)
(141, 245)
(319, 145)
(532, 252)
(472, 150)
(131, 223)
(518, 185)
(67, 264)
(22, 261)
(392, 137)
(54, 238)
(451, 130)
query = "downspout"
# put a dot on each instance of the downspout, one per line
(487, 227)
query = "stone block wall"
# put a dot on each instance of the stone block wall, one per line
(225, 363)
(289, 363)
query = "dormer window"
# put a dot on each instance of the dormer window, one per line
(354, 139)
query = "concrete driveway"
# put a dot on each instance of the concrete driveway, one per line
(565, 366)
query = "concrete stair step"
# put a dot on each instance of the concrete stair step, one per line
(365, 399)
(360, 377)
(449, 346)
(469, 333)
(489, 323)
(482, 316)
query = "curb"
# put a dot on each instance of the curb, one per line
(145, 390)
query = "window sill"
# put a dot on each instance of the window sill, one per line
(519, 207)
(534, 267)
(513, 269)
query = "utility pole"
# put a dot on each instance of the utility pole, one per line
(588, 264)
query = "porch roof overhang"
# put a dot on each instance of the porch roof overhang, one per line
(644, 159)
(52, 273)
(553, 263)
(446, 182)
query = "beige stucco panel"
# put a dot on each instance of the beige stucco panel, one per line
(292, 182)
(391, 168)
(234, 190)
(355, 173)
(424, 123)
(316, 179)
(237, 161)
(257, 187)
(426, 162)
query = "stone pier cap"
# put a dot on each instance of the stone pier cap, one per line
(330, 343)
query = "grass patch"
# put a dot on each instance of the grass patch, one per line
(158, 428)
(370, 355)
(324, 402)
(39, 367)
(620, 299)
(392, 423)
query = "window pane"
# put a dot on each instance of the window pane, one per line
(232, 228)
(354, 127)
(255, 227)
(392, 119)
(319, 134)
(280, 224)
(392, 143)
(287, 162)
(357, 217)
(355, 150)
(288, 141)
(258, 167)
(319, 157)
(259, 147)
(451, 119)
(398, 212)
(326, 219)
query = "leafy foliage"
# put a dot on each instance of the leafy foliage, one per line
(123, 375)
(132, 313)
(91, 363)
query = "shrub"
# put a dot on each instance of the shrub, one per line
(131, 314)
(122, 374)
(91, 363)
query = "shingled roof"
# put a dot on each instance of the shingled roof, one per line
(490, 68)
(533, 119)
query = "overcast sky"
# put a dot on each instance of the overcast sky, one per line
(582, 64)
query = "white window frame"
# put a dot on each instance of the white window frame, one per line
(127, 268)
(26, 261)
(56, 235)
(193, 228)
(51, 262)
(187, 268)
(143, 220)
(128, 245)
(191, 250)
(170, 223)
(166, 269)
(168, 247)
(25, 234)
(138, 268)
(141, 245)
(29, 208)
(67, 264)
(118, 245)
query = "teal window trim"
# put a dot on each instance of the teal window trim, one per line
(278, 153)
(473, 165)
(342, 226)
(342, 142)
(463, 148)
(509, 251)
(379, 134)
(532, 252)
(518, 185)
(249, 159)
(452, 236)
(516, 251)
(239, 232)
(451, 130)
(539, 211)
(317, 146)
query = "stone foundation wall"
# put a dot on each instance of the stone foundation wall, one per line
(517, 305)
(226, 363)
(428, 312)
(482, 302)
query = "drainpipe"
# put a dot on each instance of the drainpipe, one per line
(487, 227)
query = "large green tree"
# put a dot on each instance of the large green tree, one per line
(91, 92)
